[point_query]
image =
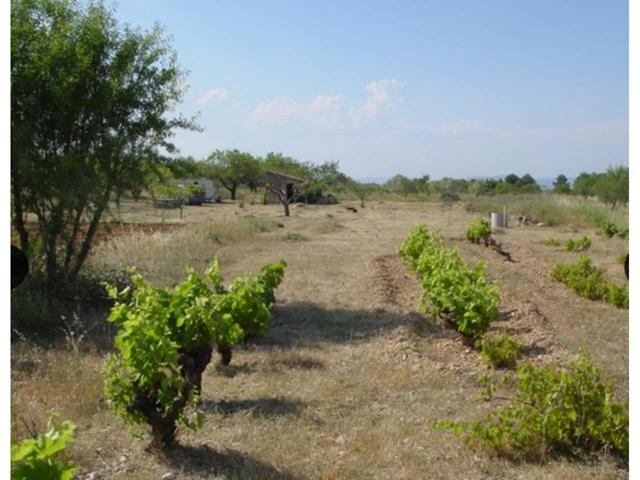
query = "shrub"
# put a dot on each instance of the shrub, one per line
(479, 230)
(551, 242)
(588, 281)
(164, 343)
(249, 303)
(39, 458)
(578, 245)
(454, 291)
(609, 228)
(557, 410)
(500, 350)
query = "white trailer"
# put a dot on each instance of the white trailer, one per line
(210, 192)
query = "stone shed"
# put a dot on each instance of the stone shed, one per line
(282, 184)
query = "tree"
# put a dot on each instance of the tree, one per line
(612, 187)
(561, 185)
(512, 179)
(401, 184)
(186, 167)
(526, 183)
(584, 184)
(285, 188)
(232, 168)
(277, 162)
(88, 118)
(363, 190)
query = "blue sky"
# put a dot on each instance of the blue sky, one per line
(446, 88)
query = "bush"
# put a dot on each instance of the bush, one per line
(480, 229)
(455, 292)
(38, 458)
(578, 245)
(588, 281)
(557, 410)
(165, 338)
(551, 242)
(610, 229)
(500, 350)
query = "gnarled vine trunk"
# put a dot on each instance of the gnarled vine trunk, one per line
(163, 422)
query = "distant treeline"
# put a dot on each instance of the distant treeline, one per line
(231, 168)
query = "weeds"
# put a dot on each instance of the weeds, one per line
(499, 350)
(578, 245)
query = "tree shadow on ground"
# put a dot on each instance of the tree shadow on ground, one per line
(264, 407)
(206, 462)
(305, 324)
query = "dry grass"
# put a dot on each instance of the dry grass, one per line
(349, 378)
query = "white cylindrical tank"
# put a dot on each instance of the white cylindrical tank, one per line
(498, 220)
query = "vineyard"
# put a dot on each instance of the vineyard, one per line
(387, 343)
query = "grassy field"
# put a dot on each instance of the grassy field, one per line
(350, 377)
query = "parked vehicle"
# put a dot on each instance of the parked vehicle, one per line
(209, 195)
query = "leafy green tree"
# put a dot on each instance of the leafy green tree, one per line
(232, 168)
(450, 185)
(406, 186)
(363, 190)
(88, 117)
(561, 185)
(528, 184)
(186, 167)
(277, 162)
(584, 184)
(512, 179)
(612, 187)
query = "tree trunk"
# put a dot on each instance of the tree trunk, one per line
(286, 208)
(162, 422)
(225, 354)
(233, 191)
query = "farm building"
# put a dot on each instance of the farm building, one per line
(281, 183)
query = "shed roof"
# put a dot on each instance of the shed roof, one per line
(287, 178)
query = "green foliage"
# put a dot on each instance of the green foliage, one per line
(622, 258)
(39, 458)
(406, 186)
(251, 298)
(551, 242)
(561, 185)
(499, 350)
(557, 410)
(578, 245)
(584, 184)
(232, 168)
(610, 229)
(612, 187)
(165, 333)
(480, 229)
(454, 290)
(588, 281)
(89, 104)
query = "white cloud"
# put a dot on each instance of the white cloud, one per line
(329, 110)
(383, 95)
(215, 95)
